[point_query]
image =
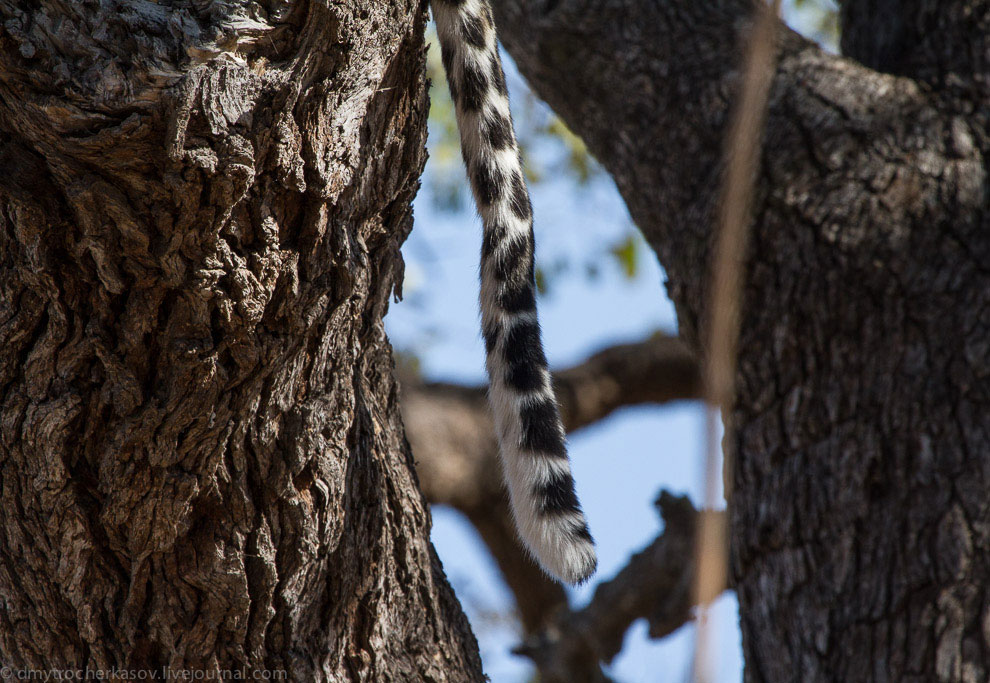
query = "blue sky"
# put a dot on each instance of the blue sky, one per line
(621, 463)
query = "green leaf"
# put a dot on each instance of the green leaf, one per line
(626, 252)
(541, 281)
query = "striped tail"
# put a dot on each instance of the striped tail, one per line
(531, 435)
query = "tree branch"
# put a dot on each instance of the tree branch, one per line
(659, 370)
(451, 432)
(655, 585)
(648, 87)
(863, 312)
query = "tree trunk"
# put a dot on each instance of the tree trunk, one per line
(202, 465)
(860, 515)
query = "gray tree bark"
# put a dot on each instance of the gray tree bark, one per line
(860, 519)
(202, 464)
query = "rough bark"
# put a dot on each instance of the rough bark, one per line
(202, 465)
(859, 516)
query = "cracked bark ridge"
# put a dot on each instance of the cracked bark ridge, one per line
(859, 515)
(202, 464)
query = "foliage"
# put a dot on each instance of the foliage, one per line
(816, 19)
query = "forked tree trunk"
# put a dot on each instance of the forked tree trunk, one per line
(201, 459)
(861, 485)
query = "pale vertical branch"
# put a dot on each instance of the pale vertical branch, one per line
(742, 154)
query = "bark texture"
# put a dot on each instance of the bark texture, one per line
(860, 519)
(202, 464)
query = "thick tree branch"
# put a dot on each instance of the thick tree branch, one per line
(863, 370)
(648, 86)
